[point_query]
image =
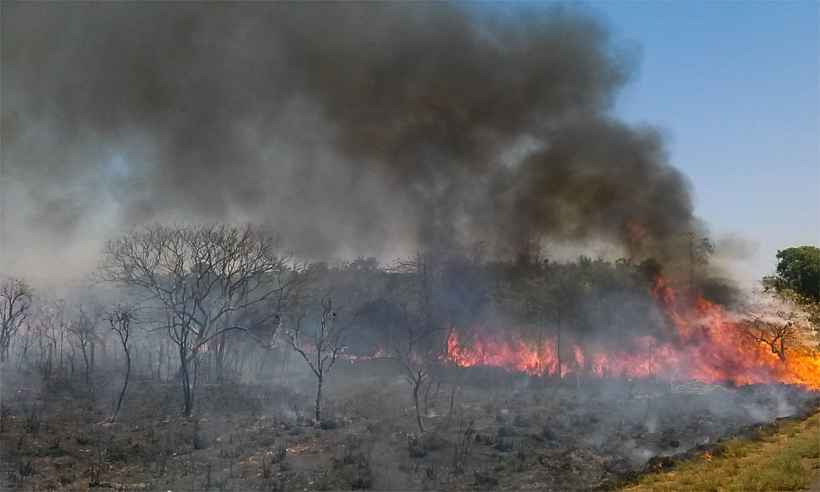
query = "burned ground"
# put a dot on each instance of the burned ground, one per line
(503, 431)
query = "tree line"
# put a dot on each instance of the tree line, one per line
(221, 302)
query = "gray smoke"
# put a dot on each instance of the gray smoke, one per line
(349, 127)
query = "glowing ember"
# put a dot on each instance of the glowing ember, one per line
(711, 347)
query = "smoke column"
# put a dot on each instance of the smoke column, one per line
(349, 127)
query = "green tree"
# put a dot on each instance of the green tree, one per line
(798, 270)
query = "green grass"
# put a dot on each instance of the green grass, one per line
(787, 458)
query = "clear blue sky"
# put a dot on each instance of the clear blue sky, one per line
(736, 88)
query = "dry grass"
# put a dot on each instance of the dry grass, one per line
(785, 459)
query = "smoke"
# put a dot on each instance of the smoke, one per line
(351, 128)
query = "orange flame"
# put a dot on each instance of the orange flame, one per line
(711, 347)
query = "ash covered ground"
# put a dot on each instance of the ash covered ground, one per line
(485, 429)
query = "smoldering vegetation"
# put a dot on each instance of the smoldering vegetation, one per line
(460, 138)
(204, 358)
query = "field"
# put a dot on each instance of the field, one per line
(484, 429)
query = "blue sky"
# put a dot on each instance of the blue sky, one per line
(735, 86)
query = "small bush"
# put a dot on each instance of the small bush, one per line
(83, 440)
(328, 424)
(272, 457)
(505, 431)
(280, 453)
(547, 434)
(433, 442)
(5, 412)
(485, 480)
(25, 468)
(503, 445)
(415, 447)
(32, 421)
(201, 441)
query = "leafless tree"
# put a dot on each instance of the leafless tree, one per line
(120, 319)
(48, 326)
(415, 361)
(321, 348)
(777, 334)
(84, 330)
(15, 304)
(203, 279)
(412, 345)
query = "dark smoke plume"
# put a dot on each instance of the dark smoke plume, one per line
(349, 127)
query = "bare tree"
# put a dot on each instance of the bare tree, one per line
(48, 327)
(776, 334)
(415, 361)
(321, 348)
(15, 304)
(120, 319)
(411, 343)
(84, 330)
(775, 321)
(203, 279)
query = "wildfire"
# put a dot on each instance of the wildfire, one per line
(711, 347)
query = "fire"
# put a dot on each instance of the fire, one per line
(711, 347)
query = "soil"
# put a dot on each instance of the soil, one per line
(504, 432)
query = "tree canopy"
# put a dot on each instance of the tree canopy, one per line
(798, 270)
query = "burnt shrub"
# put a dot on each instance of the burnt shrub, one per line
(83, 440)
(328, 424)
(5, 413)
(25, 468)
(352, 464)
(505, 431)
(548, 434)
(274, 456)
(433, 442)
(265, 467)
(200, 440)
(279, 453)
(415, 447)
(54, 450)
(659, 463)
(485, 479)
(32, 422)
(117, 452)
(503, 445)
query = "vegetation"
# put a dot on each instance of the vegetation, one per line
(15, 304)
(798, 271)
(786, 458)
(797, 285)
(221, 312)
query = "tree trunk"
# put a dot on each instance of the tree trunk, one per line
(558, 351)
(416, 387)
(220, 358)
(84, 349)
(318, 413)
(453, 390)
(124, 384)
(93, 355)
(186, 382)
(427, 397)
